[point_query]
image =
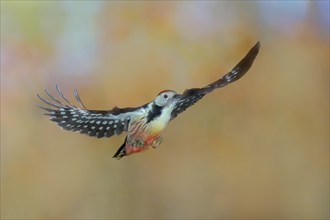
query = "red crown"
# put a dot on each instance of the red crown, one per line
(165, 91)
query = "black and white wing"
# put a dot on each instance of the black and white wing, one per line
(191, 96)
(94, 123)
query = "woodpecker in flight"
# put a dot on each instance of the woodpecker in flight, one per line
(143, 124)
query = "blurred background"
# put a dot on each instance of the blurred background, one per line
(258, 148)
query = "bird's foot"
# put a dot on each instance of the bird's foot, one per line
(157, 142)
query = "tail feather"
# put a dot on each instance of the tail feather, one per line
(121, 151)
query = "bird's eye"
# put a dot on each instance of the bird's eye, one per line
(165, 96)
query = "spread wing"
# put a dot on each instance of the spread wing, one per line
(94, 123)
(191, 96)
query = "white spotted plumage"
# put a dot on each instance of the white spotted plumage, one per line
(143, 123)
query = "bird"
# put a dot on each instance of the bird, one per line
(143, 124)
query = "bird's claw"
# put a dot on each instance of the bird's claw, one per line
(157, 142)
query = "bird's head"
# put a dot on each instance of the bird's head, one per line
(165, 98)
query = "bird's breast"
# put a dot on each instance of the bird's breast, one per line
(159, 123)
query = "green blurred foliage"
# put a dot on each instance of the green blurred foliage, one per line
(255, 149)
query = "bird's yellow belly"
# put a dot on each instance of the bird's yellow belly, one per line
(156, 127)
(160, 123)
(142, 141)
(141, 136)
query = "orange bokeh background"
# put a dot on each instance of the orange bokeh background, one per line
(258, 148)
